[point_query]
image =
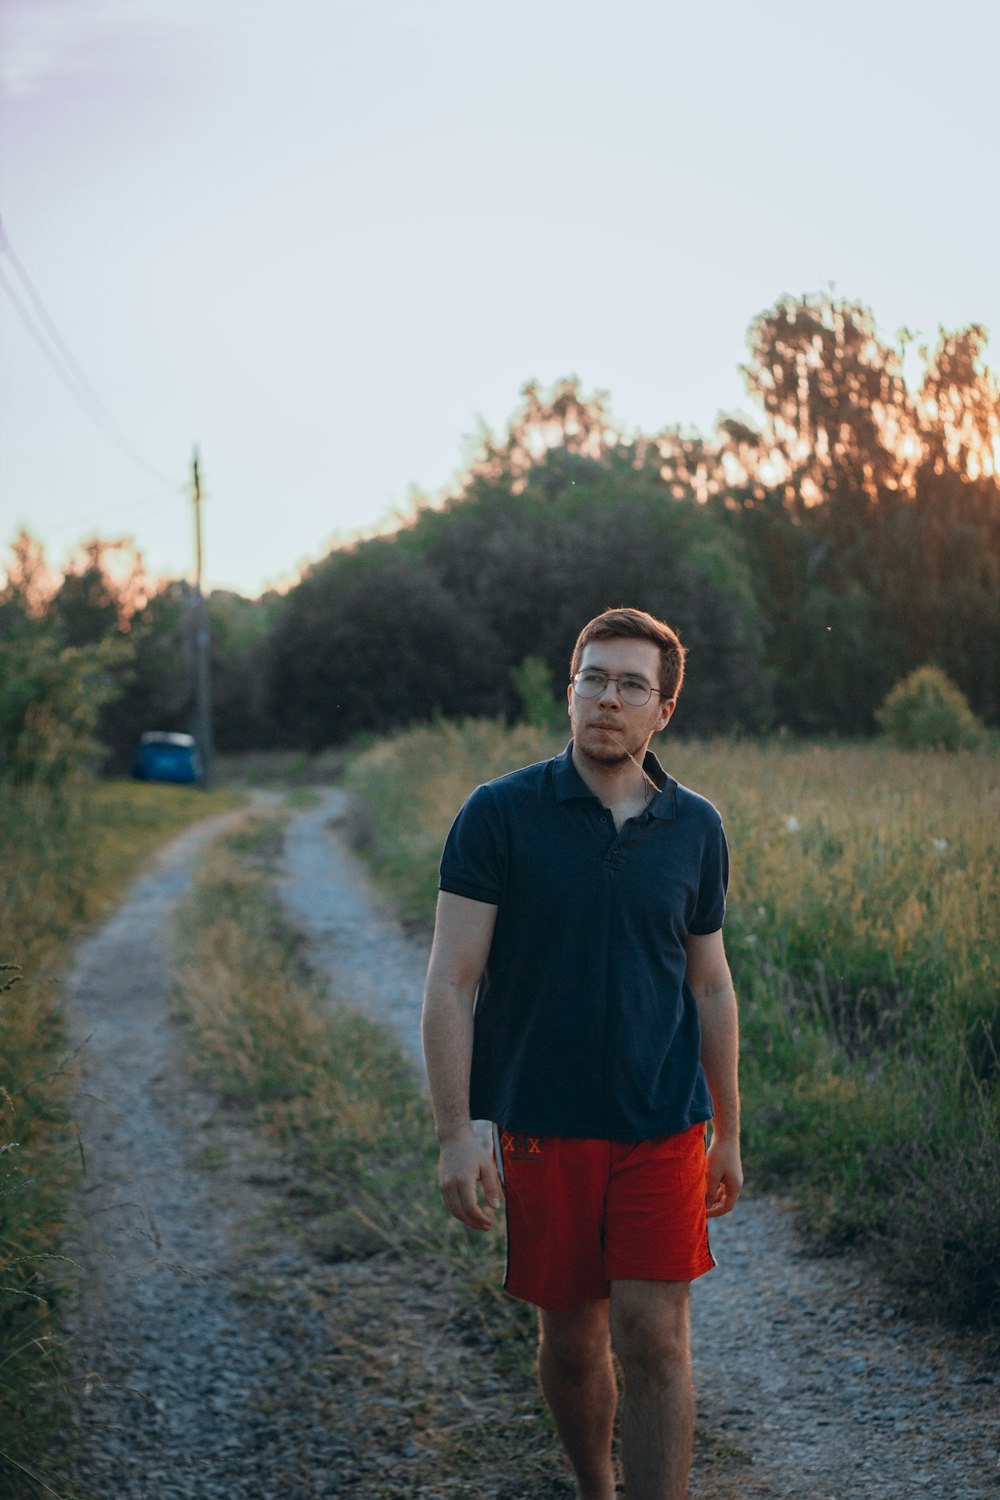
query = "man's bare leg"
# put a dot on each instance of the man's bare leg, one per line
(578, 1382)
(650, 1333)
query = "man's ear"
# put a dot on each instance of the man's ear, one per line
(668, 705)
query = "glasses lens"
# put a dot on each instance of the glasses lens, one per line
(589, 684)
(632, 689)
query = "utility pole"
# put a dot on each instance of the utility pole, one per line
(202, 645)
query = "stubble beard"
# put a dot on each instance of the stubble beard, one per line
(608, 748)
(609, 757)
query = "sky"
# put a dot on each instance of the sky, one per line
(325, 240)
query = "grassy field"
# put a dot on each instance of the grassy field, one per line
(67, 857)
(864, 936)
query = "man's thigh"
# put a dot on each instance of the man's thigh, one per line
(655, 1222)
(555, 1189)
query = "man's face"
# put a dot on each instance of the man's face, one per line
(606, 729)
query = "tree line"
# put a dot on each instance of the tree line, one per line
(810, 557)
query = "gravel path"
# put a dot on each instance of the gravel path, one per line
(213, 1350)
(175, 1374)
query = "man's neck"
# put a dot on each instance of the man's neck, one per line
(615, 785)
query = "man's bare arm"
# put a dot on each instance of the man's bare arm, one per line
(709, 977)
(463, 931)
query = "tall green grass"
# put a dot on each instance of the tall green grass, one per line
(331, 1084)
(864, 936)
(68, 852)
(409, 787)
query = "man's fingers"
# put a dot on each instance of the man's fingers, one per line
(722, 1198)
(492, 1186)
(725, 1178)
(464, 1170)
(462, 1200)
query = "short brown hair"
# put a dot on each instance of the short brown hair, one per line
(637, 625)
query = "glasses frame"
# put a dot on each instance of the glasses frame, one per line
(610, 677)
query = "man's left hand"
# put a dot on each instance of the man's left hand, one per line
(725, 1176)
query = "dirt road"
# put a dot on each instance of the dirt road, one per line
(207, 1341)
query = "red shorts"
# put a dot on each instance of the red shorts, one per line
(582, 1213)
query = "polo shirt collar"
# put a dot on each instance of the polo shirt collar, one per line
(568, 783)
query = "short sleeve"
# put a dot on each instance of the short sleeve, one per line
(474, 862)
(710, 910)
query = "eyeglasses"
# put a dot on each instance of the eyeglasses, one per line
(634, 690)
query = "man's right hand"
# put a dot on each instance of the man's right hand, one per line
(464, 1168)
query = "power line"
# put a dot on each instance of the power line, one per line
(61, 358)
(146, 507)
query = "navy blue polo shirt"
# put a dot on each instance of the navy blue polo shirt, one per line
(584, 1023)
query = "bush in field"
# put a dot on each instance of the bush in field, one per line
(926, 711)
(539, 705)
(50, 699)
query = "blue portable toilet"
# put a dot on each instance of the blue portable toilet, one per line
(168, 757)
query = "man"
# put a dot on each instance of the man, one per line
(579, 997)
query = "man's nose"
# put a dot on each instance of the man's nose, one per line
(609, 692)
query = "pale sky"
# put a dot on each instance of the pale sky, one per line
(323, 238)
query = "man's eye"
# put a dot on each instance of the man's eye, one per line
(593, 679)
(634, 684)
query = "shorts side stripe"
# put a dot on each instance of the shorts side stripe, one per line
(498, 1152)
(498, 1158)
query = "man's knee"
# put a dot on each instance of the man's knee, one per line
(573, 1343)
(649, 1326)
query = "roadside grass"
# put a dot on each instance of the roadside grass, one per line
(68, 854)
(408, 787)
(864, 936)
(333, 1089)
(280, 768)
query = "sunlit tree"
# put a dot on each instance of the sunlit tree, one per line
(958, 408)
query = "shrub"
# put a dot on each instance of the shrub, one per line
(926, 711)
(539, 705)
